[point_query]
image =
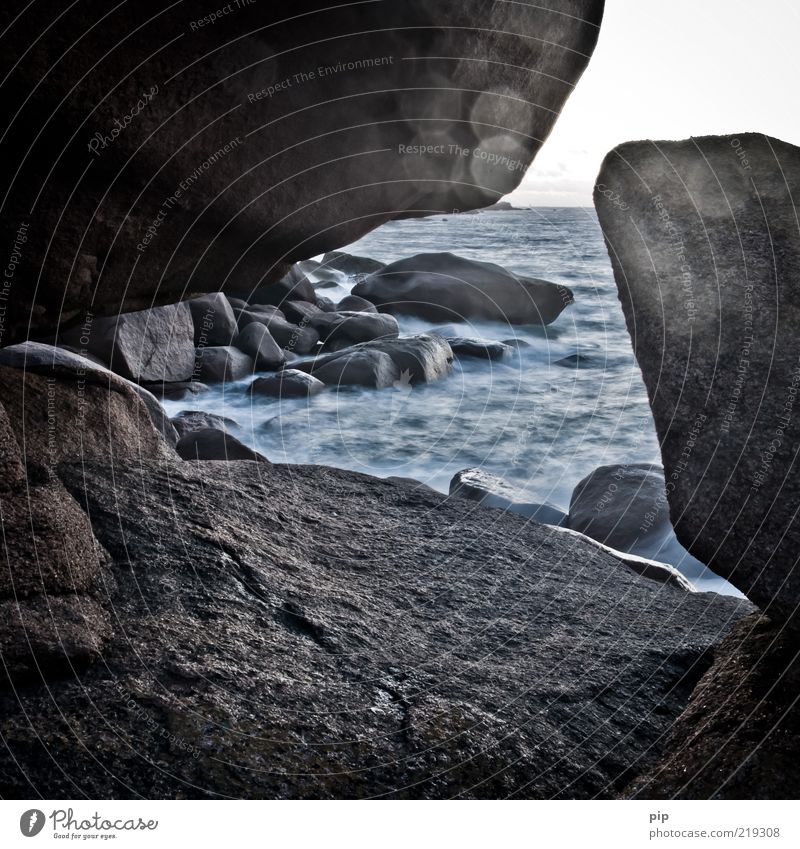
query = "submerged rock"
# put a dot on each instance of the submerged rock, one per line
(704, 241)
(446, 287)
(251, 600)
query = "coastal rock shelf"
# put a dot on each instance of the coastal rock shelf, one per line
(299, 631)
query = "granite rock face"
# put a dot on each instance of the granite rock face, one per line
(737, 739)
(302, 125)
(297, 631)
(703, 236)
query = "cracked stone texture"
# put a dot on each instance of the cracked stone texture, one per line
(298, 631)
(737, 739)
(215, 181)
(704, 238)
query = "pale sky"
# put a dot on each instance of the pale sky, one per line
(670, 70)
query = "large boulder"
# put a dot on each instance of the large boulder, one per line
(342, 328)
(445, 287)
(214, 320)
(300, 631)
(289, 383)
(223, 364)
(355, 367)
(293, 338)
(148, 345)
(423, 358)
(48, 546)
(300, 128)
(211, 443)
(352, 303)
(256, 341)
(704, 241)
(625, 506)
(418, 359)
(63, 408)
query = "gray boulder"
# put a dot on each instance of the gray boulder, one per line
(289, 383)
(294, 339)
(214, 320)
(145, 346)
(355, 367)
(293, 287)
(423, 358)
(256, 341)
(222, 364)
(298, 312)
(69, 406)
(211, 443)
(189, 420)
(704, 242)
(625, 506)
(267, 186)
(446, 287)
(341, 329)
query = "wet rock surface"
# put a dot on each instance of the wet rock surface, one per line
(407, 645)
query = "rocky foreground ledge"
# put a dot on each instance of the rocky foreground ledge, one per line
(284, 631)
